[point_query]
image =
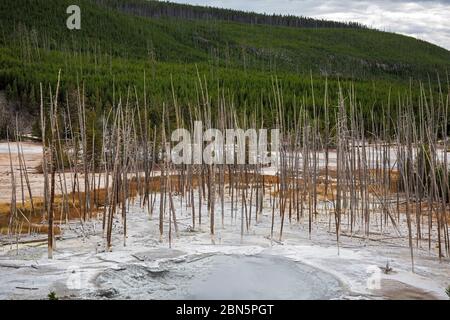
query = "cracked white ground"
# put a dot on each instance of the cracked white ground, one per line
(233, 267)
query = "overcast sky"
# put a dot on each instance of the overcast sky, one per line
(425, 19)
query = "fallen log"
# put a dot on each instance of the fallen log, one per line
(7, 243)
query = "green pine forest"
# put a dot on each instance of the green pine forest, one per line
(172, 49)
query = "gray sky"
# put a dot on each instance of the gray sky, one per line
(424, 19)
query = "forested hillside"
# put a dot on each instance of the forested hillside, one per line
(236, 54)
(158, 9)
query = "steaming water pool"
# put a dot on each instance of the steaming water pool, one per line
(262, 277)
(222, 277)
